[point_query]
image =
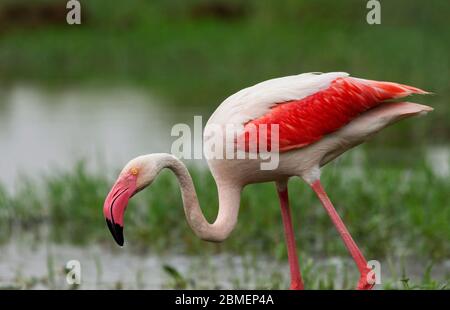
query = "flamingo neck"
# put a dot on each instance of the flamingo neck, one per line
(229, 201)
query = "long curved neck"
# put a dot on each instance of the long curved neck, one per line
(229, 201)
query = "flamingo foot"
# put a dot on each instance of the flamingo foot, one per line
(364, 283)
(297, 286)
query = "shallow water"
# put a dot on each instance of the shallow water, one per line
(31, 266)
(41, 130)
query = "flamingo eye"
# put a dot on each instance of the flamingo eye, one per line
(134, 171)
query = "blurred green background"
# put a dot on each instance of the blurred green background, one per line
(76, 102)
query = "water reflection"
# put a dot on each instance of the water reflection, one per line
(41, 130)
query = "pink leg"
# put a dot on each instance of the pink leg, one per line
(358, 257)
(296, 278)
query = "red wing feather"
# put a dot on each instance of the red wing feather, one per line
(305, 121)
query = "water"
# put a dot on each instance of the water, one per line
(41, 130)
(24, 265)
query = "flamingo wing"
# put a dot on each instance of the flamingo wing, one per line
(326, 103)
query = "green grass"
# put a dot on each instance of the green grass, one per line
(390, 211)
(191, 60)
(322, 277)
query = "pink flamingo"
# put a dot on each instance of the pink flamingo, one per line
(320, 116)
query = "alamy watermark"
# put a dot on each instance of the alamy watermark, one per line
(73, 272)
(228, 141)
(374, 275)
(373, 17)
(73, 16)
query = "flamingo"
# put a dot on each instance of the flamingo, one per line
(319, 117)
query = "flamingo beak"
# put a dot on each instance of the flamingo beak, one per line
(116, 203)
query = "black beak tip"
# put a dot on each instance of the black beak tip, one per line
(116, 231)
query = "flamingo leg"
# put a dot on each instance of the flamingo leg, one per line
(358, 257)
(296, 278)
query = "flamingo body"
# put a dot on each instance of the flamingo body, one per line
(305, 121)
(324, 116)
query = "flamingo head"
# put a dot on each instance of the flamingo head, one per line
(136, 175)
